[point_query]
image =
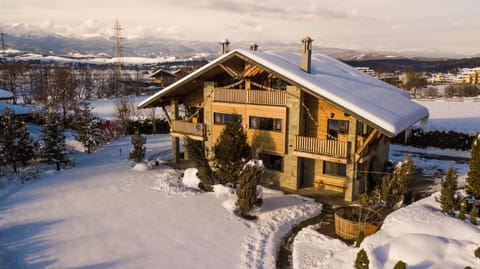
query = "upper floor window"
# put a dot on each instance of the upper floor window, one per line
(223, 118)
(267, 124)
(336, 127)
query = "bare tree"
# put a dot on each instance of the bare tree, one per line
(125, 110)
(413, 81)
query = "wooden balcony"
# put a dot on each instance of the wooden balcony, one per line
(186, 128)
(323, 149)
(255, 97)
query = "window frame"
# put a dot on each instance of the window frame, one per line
(334, 169)
(265, 124)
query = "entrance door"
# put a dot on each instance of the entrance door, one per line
(307, 172)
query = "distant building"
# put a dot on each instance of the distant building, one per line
(468, 75)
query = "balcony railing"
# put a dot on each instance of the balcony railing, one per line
(331, 148)
(187, 128)
(257, 97)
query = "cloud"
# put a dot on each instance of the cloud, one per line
(295, 10)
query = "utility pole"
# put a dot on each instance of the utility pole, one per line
(117, 70)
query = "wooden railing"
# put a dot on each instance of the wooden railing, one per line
(187, 128)
(321, 146)
(257, 97)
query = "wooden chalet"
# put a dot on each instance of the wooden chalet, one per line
(317, 121)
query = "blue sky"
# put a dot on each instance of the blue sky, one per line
(415, 26)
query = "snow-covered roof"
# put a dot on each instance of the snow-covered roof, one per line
(161, 70)
(386, 107)
(4, 94)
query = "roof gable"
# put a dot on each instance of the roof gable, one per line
(384, 106)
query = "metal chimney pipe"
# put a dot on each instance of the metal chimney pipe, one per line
(306, 57)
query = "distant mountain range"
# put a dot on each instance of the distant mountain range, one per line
(29, 38)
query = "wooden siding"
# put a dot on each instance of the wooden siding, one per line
(321, 111)
(271, 141)
(258, 97)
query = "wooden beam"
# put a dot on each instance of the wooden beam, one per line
(193, 137)
(230, 70)
(168, 117)
(365, 143)
(251, 71)
(320, 157)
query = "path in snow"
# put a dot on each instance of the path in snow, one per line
(276, 218)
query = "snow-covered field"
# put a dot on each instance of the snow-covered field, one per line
(105, 214)
(458, 116)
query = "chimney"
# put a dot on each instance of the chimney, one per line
(306, 58)
(225, 46)
(253, 47)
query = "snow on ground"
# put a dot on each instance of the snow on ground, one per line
(104, 214)
(105, 108)
(458, 116)
(420, 235)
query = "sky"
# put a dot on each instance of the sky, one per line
(416, 26)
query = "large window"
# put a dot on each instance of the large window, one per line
(272, 162)
(334, 169)
(223, 118)
(336, 127)
(267, 124)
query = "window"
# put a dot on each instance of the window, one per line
(267, 124)
(336, 127)
(223, 118)
(272, 162)
(334, 169)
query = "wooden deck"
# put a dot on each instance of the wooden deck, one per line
(322, 149)
(256, 97)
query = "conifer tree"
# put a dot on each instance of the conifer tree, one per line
(394, 186)
(473, 214)
(360, 237)
(447, 193)
(25, 144)
(196, 151)
(247, 183)
(231, 151)
(16, 146)
(53, 137)
(87, 129)
(400, 265)
(138, 142)
(461, 212)
(473, 177)
(362, 262)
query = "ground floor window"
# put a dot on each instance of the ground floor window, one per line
(334, 169)
(223, 118)
(272, 162)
